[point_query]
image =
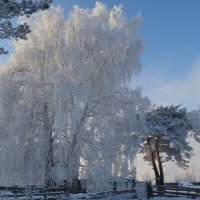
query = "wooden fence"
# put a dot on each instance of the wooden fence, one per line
(53, 193)
(176, 191)
(32, 191)
(177, 184)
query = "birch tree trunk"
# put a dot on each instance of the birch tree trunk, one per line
(49, 162)
(73, 158)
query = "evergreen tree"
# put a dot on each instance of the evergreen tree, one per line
(11, 9)
(166, 139)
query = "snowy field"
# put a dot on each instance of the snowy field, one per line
(81, 196)
(169, 198)
(115, 197)
(109, 197)
(129, 196)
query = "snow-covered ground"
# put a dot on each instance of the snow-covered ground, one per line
(169, 198)
(109, 197)
(123, 197)
(129, 196)
(81, 197)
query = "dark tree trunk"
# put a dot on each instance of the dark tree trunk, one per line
(161, 179)
(49, 181)
(157, 175)
(155, 155)
(49, 162)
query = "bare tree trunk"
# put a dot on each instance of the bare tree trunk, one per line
(49, 180)
(73, 159)
(49, 162)
(161, 179)
(153, 160)
(157, 175)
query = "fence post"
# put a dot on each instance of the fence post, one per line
(115, 186)
(133, 183)
(149, 189)
(66, 189)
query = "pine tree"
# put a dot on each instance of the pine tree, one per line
(166, 139)
(11, 9)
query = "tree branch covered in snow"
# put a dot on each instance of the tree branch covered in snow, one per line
(194, 118)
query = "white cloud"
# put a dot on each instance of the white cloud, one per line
(1, 64)
(166, 90)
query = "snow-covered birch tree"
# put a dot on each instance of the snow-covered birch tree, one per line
(71, 84)
(194, 118)
(116, 138)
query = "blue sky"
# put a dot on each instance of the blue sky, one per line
(171, 57)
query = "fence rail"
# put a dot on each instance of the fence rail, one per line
(53, 193)
(176, 191)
